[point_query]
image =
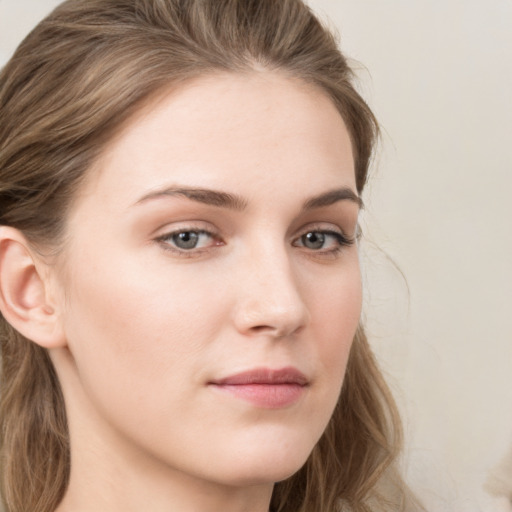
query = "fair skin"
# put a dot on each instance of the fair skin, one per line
(165, 291)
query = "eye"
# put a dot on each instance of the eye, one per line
(323, 241)
(314, 240)
(188, 240)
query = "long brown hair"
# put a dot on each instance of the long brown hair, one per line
(65, 93)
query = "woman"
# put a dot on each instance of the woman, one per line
(179, 277)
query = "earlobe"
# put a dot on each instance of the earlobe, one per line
(24, 299)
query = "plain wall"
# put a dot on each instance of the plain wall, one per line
(439, 77)
(438, 74)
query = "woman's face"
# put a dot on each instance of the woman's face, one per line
(213, 286)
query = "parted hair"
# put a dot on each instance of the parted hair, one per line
(72, 84)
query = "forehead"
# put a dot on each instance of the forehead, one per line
(229, 130)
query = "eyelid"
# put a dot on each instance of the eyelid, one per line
(183, 225)
(325, 227)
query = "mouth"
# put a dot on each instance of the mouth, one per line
(265, 388)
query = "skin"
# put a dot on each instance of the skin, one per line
(147, 327)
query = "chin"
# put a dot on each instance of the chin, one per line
(271, 473)
(266, 464)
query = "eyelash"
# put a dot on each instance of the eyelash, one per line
(342, 241)
(166, 240)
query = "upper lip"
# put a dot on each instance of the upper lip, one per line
(288, 375)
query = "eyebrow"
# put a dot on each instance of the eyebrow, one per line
(235, 202)
(332, 197)
(200, 195)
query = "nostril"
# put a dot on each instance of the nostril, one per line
(261, 328)
(275, 331)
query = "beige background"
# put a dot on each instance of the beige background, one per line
(438, 74)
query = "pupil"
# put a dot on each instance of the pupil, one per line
(186, 240)
(314, 240)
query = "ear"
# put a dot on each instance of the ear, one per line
(25, 301)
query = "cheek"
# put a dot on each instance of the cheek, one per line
(130, 327)
(336, 312)
(140, 345)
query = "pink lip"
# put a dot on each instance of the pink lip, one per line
(265, 388)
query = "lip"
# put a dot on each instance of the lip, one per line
(264, 387)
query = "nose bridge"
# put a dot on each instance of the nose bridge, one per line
(269, 298)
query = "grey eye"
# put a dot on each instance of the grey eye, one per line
(313, 240)
(186, 239)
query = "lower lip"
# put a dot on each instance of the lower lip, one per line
(266, 396)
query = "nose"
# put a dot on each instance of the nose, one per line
(269, 299)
